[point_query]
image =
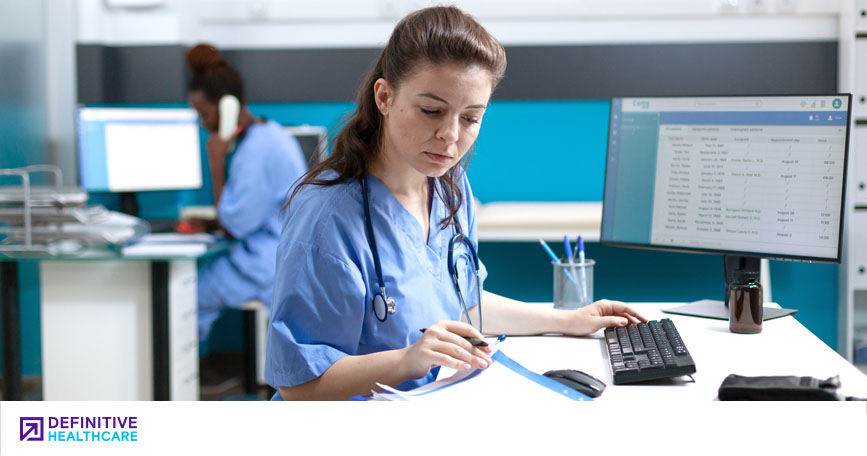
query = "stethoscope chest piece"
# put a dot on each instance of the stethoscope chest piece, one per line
(383, 306)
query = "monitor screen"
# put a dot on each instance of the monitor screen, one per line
(749, 176)
(313, 141)
(138, 149)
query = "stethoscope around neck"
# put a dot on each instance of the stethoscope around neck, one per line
(383, 305)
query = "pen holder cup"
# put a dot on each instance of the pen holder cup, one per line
(569, 293)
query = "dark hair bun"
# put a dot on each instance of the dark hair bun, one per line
(202, 57)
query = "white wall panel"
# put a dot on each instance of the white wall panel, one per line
(861, 16)
(858, 163)
(357, 23)
(859, 104)
(859, 250)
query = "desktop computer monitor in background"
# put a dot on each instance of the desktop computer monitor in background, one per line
(138, 149)
(313, 140)
(746, 177)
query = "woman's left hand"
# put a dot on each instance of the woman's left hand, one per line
(600, 314)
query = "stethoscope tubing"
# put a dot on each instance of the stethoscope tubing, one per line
(458, 238)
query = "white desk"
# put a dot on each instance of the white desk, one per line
(113, 327)
(784, 347)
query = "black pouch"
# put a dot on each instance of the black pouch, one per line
(783, 388)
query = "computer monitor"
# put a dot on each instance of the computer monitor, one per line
(138, 149)
(313, 140)
(747, 177)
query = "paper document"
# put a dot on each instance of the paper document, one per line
(166, 238)
(504, 379)
(152, 249)
(171, 244)
(200, 212)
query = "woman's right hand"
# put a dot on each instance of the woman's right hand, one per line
(443, 344)
(217, 148)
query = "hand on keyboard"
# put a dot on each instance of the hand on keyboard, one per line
(600, 314)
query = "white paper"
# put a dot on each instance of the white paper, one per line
(166, 238)
(177, 249)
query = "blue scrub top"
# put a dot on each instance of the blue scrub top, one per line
(325, 279)
(262, 171)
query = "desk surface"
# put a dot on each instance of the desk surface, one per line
(105, 254)
(784, 347)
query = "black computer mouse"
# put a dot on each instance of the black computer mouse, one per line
(577, 380)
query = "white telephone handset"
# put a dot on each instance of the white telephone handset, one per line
(229, 108)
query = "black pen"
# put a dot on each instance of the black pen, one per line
(475, 341)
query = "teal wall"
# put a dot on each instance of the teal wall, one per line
(530, 151)
(23, 136)
(541, 151)
(22, 143)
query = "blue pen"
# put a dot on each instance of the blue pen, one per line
(583, 267)
(569, 258)
(555, 259)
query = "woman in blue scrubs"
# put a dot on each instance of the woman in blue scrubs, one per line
(251, 175)
(418, 114)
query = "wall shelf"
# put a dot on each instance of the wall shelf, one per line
(530, 221)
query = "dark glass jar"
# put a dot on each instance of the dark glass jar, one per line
(745, 303)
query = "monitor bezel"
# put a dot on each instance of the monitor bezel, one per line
(771, 256)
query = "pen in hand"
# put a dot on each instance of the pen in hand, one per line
(474, 341)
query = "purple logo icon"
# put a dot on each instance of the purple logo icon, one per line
(31, 428)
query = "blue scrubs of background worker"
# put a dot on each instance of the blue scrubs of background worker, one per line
(263, 163)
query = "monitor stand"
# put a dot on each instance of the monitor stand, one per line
(128, 204)
(709, 308)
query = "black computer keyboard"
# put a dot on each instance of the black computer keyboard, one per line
(647, 351)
